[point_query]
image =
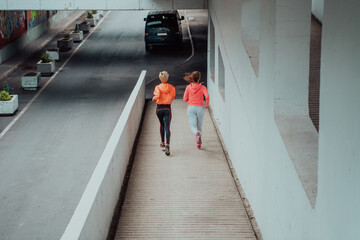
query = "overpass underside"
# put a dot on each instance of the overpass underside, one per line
(101, 5)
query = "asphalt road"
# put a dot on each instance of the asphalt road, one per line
(49, 154)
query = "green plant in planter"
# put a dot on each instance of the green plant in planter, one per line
(89, 15)
(94, 11)
(5, 96)
(6, 87)
(45, 58)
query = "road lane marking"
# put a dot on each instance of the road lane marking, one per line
(2, 134)
(192, 50)
(191, 39)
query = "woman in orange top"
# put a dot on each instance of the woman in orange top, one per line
(164, 94)
(194, 95)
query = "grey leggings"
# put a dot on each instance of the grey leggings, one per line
(196, 117)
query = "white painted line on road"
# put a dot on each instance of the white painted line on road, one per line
(191, 40)
(2, 134)
(192, 49)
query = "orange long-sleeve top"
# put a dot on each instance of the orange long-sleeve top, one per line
(194, 95)
(164, 93)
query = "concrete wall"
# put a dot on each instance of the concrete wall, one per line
(296, 189)
(337, 207)
(93, 215)
(106, 4)
(11, 49)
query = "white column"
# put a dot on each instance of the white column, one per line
(338, 211)
(292, 49)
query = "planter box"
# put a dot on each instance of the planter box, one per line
(84, 27)
(46, 68)
(54, 54)
(77, 36)
(65, 44)
(92, 21)
(30, 80)
(96, 16)
(9, 107)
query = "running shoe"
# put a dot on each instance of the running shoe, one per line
(198, 140)
(167, 150)
(197, 137)
(162, 146)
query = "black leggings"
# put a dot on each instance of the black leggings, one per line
(163, 112)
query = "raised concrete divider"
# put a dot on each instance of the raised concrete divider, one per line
(93, 215)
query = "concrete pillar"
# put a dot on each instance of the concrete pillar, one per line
(292, 49)
(250, 30)
(337, 208)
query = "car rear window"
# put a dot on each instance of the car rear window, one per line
(161, 20)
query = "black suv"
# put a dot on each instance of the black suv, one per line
(163, 28)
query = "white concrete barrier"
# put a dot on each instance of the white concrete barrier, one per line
(93, 215)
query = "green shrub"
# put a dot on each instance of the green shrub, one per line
(89, 15)
(94, 11)
(45, 58)
(5, 96)
(6, 87)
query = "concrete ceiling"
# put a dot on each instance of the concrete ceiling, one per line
(101, 5)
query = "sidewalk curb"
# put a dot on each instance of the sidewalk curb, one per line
(12, 69)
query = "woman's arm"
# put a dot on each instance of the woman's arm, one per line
(186, 95)
(174, 93)
(156, 94)
(207, 97)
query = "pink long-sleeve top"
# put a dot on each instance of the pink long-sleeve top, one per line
(194, 95)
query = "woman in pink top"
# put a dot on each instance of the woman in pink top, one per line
(194, 95)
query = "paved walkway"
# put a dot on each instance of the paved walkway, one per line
(189, 195)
